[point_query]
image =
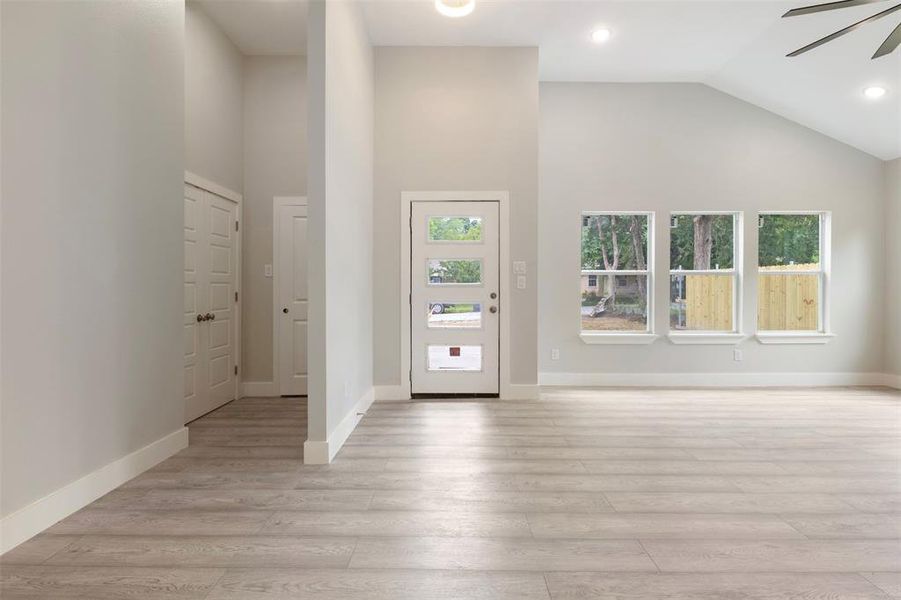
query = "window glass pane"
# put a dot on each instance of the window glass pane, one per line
(702, 242)
(788, 302)
(619, 303)
(789, 240)
(455, 229)
(701, 302)
(455, 358)
(614, 242)
(455, 316)
(455, 271)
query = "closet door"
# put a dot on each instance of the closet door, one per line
(196, 392)
(210, 301)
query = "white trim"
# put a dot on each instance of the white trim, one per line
(617, 338)
(259, 389)
(278, 202)
(41, 514)
(709, 380)
(391, 392)
(238, 199)
(892, 380)
(212, 187)
(503, 200)
(786, 337)
(705, 338)
(523, 391)
(322, 453)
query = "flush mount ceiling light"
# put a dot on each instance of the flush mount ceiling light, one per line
(875, 92)
(601, 35)
(888, 46)
(455, 8)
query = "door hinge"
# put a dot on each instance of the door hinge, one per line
(236, 296)
(236, 369)
(410, 299)
(237, 227)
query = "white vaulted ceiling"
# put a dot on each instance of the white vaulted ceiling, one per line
(737, 46)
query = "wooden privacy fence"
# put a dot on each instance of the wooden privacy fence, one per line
(784, 302)
(788, 302)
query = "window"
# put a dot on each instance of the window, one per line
(455, 229)
(792, 265)
(454, 271)
(704, 280)
(616, 276)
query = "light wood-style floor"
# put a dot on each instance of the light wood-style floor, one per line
(613, 494)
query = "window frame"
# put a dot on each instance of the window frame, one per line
(823, 334)
(701, 336)
(622, 337)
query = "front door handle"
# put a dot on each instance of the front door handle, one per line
(285, 310)
(492, 309)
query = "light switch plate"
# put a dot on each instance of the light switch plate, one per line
(520, 282)
(267, 270)
(519, 267)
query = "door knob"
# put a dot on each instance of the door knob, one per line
(493, 295)
(201, 318)
(492, 309)
(285, 310)
(210, 317)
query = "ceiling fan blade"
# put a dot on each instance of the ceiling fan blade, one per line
(890, 43)
(842, 32)
(815, 8)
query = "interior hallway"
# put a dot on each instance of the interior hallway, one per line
(583, 494)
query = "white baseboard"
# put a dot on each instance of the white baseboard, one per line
(259, 389)
(520, 391)
(892, 380)
(38, 516)
(709, 379)
(392, 392)
(322, 453)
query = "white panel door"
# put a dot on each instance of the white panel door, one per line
(210, 301)
(454, 300)
(195, 391)
(292, 301)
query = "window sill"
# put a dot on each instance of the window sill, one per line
(706, 338)
(618, 338)
(794, 338)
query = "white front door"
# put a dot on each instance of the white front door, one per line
(291, 319)
(454, 300)
(210, 301)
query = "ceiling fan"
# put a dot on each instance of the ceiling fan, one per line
(887, 47)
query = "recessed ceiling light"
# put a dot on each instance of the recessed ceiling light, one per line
(455, 8)
(875, 92)
(600, 35)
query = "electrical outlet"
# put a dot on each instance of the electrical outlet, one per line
(736, 355)
(267, 270)
(519, 267)
(555, 353)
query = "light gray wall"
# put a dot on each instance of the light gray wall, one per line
(893, 266)
(669, 147)
(213, 102)
(275, 153)
(455, 119)
(340, 213)
(92, 258)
